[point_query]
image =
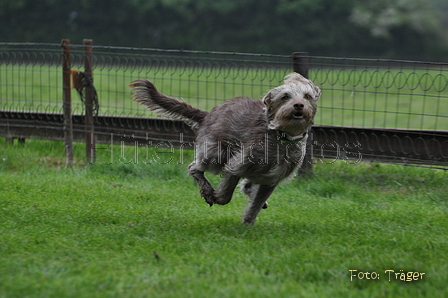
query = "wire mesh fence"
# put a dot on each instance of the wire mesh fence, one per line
(31, 76)
(382, 93)
(356, 92)
(390, 99)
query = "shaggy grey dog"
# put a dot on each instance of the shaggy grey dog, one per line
(261, 142)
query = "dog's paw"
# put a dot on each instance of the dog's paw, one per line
(248, 222)
(209, 196)
(265, 205)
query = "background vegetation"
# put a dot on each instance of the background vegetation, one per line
(384, 28)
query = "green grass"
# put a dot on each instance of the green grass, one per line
(382, 98)
(141, 230)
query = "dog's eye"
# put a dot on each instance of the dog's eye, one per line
(286, 96)
(308, 97)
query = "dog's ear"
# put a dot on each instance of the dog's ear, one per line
(267, 99)
(318, 92)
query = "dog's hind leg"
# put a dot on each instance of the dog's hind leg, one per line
(249, 188)
(205, 187)
(258, 199)
(226, 188)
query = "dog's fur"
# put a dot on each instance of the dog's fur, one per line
(262, 142)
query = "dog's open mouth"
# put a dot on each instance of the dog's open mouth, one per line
(298, 115)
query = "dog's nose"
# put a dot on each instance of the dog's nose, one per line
(298, 106)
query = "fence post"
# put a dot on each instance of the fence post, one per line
(301, 65)
(67, 102)
(90, 128)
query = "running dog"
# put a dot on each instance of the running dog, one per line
(260, 142)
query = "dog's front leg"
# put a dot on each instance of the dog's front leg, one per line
(226, 188)
(257, 201)
(205, 187)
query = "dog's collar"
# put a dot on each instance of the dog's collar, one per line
(286, 139)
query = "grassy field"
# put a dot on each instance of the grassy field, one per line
(141, 230)
(392, 98)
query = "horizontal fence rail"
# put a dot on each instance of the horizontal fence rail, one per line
(371, 109)
(330, 143)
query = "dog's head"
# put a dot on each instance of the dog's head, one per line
(291, 107)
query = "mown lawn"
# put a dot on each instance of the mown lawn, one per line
(127, 230)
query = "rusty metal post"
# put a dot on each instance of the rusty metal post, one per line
(301, 65)
(67, 102)
(90, 128)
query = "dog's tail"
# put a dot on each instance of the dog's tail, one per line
(146, 94)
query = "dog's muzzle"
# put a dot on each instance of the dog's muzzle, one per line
(298, 114)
